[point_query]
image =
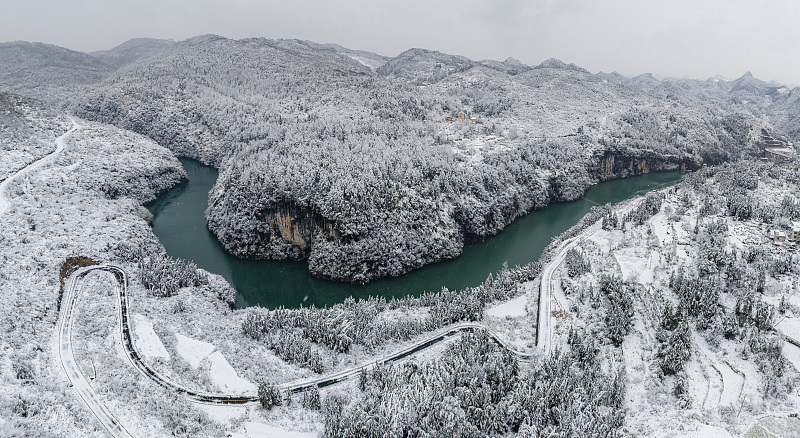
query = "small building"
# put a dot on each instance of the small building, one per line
(474, 120)
(774, 150)
(462, 116)
(448, 119)
(794, 234)
(777, 236)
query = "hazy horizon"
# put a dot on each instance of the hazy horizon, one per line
(695, 39)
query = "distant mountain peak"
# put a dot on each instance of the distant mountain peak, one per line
(422, 66)
(513, 62)
(203, 38)
(559, 64)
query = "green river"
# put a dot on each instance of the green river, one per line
(180, 224)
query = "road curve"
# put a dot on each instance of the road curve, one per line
(138, 362)
(76, 377)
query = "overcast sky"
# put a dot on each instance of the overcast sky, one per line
(693, 38)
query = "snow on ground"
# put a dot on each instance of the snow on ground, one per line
(792, 354)
(191, 350)
(742, 234)
(475, 148)
(661, 228)
(223, 414)
(636, 265)
(700, 430)
(146, 340)
(373, 64)
(789, 327)
(225, 377)
(603, 239)
(733, 382)
(775, 426)
(510, 309)
(219, 370)
(254, 429)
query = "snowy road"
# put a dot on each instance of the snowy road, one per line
(76, 377)
(5, 203)
(71, 299)
(544, 321)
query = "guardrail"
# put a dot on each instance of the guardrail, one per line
(291, 388)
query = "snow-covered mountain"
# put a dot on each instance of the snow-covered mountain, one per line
(422, 67)
(324, 156)
(132, 50)
(47, 72)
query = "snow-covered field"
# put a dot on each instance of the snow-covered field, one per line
(146, 340)
(509, 309)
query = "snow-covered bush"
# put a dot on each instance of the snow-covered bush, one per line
(674, 340)
(164, 275)
(619, 307)
(269, 395)
(577, 264)
(650, 205)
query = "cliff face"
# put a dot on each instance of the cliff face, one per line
(278, 231)
(622, 164)
(298, 226)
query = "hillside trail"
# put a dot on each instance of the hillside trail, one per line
(5, 201)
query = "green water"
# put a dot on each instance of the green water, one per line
(179, 222)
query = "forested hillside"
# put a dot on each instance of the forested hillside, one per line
(84, 201)
(357, 170)
(778, 103)
(28, 129)
(46, 72)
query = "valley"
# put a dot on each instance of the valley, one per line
(286, 238)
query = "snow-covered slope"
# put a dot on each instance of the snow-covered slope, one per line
(47, 72)
(365, 177)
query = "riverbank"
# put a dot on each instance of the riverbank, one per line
(179, 222)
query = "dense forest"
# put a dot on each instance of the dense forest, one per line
(357, 171)
(478, 389)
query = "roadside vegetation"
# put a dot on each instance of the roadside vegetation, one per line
(478, 389)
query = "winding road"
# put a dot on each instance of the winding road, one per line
(71, 299)
(74, 373)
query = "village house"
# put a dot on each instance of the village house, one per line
(777, 236)
(794, 234)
